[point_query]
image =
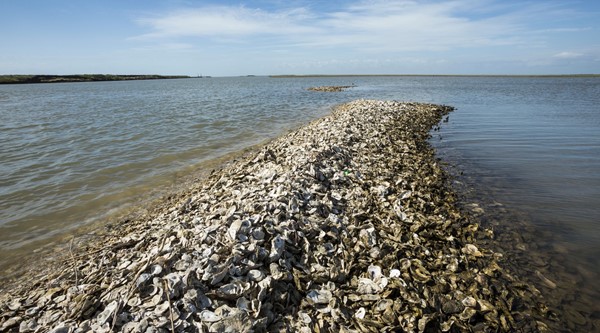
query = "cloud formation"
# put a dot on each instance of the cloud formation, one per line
(568, 55)
(400, 24)
(303, 36)
(347, 35)
(226, 21)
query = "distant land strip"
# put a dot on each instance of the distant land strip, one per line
(434, 75)
(16, 79)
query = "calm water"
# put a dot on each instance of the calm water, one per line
(537, 143)
(72, 152)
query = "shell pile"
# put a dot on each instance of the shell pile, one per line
(330, 88)
(345, 225)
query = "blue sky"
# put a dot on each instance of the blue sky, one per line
(222, 38)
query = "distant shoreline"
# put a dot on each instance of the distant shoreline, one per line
(25, 79)
(30, 79)
(432, 75)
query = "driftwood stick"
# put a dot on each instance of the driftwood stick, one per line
(170, 305)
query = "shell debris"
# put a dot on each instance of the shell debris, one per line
(347, 224)
(330, 88)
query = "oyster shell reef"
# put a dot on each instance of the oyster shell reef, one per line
(347, 224)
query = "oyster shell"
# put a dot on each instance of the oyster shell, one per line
(347, 224)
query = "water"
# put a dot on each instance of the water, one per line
(71, 152)
(539, 142)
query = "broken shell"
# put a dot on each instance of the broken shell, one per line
(374, 272)
(142, 279)
(485, 306)
(108, 313)
(14, 305)
(134, 301)
(368, 237)
(304, 317)
(368, 286)
(256, 275)
(467, 313)
(233, 290)
(161, 308)
(319, 296)
(471, 250)
(394, 273)
(360, 313)
(277, 246)
(258, 234)
(209, 316)
(383, 305)
(469, 301)
(155, 270)
(405, 264)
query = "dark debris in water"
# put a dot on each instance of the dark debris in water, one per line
(330, 88)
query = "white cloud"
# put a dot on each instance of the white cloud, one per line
(413, 26)
(369, 26)
(568, 55)
(224, 22)
(374, 24)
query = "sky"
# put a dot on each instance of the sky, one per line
(269, 37)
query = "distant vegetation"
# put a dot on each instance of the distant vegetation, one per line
(14, 79)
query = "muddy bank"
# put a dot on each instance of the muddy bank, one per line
(347, 224)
